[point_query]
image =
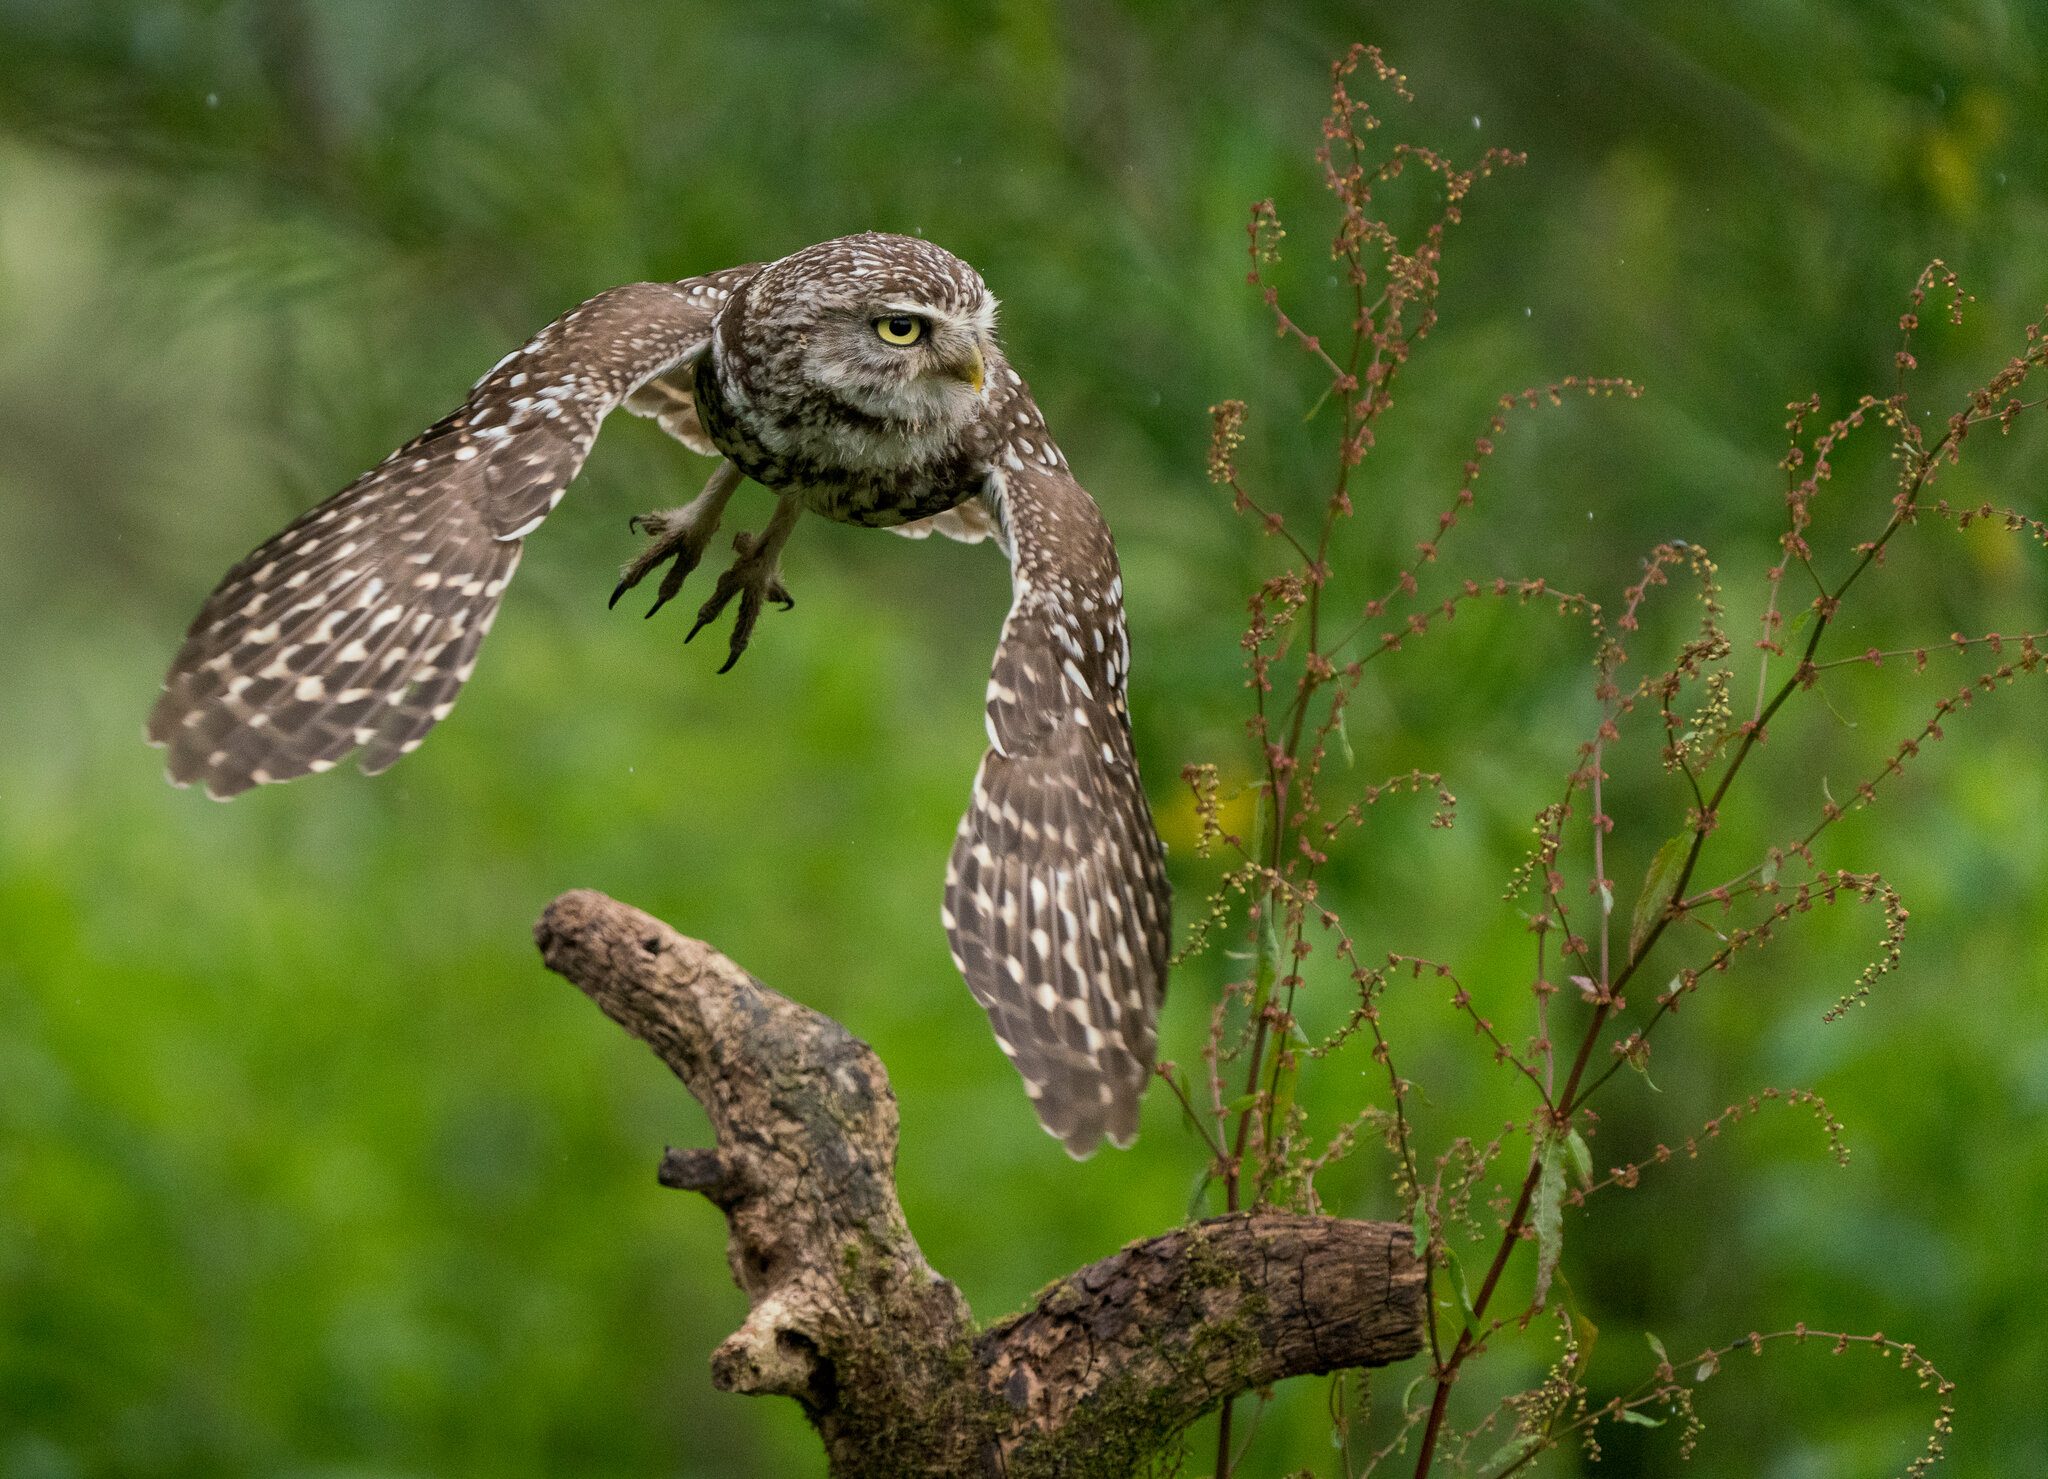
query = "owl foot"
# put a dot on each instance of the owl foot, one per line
(755, 577)
(673, 537)
(679, 534)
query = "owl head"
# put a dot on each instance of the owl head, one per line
(896, 330)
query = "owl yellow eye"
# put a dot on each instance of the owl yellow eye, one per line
(900, 328)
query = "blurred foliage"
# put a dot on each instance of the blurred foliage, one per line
(307, 1168)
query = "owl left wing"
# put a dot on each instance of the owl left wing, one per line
(1057, 905)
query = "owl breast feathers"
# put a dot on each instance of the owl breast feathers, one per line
(859, 379)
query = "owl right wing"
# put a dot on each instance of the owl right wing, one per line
(356, 626)
(1057, 905)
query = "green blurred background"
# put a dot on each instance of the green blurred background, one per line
(307, 1168)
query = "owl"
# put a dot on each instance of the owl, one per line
(859, 380)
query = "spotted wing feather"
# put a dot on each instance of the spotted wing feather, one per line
(1057, 905)
(969, 522)
(356, 626)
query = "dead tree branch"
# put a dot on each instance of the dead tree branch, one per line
(847, 1317)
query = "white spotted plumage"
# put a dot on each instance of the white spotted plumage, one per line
(356, 627)
(1057, 903)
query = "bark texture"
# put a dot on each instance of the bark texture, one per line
(847, 1317)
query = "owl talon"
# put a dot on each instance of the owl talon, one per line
(675, 536)
(756, 578)
(680, 535)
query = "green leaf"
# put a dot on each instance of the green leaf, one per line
(1511, 1453)
(1641, 1419)
(1455, 1267)
(1768, 873)
(1267, 970)
(1420, 1228)
(1241, 1103)
(1582, 1157)
(1549, 1215)
(1283, 1095)
(1198, 1193)
(1657, 1346)
(1587, 1333)
(1658, 886)
(1344, 741)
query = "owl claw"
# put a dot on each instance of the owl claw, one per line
(678, 534)
(756, 579)
(674, 536)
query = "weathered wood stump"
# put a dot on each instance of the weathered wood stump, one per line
(1100, 1373)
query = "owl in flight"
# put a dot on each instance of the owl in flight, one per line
(859, 379)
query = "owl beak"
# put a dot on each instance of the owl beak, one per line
(974, 372)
